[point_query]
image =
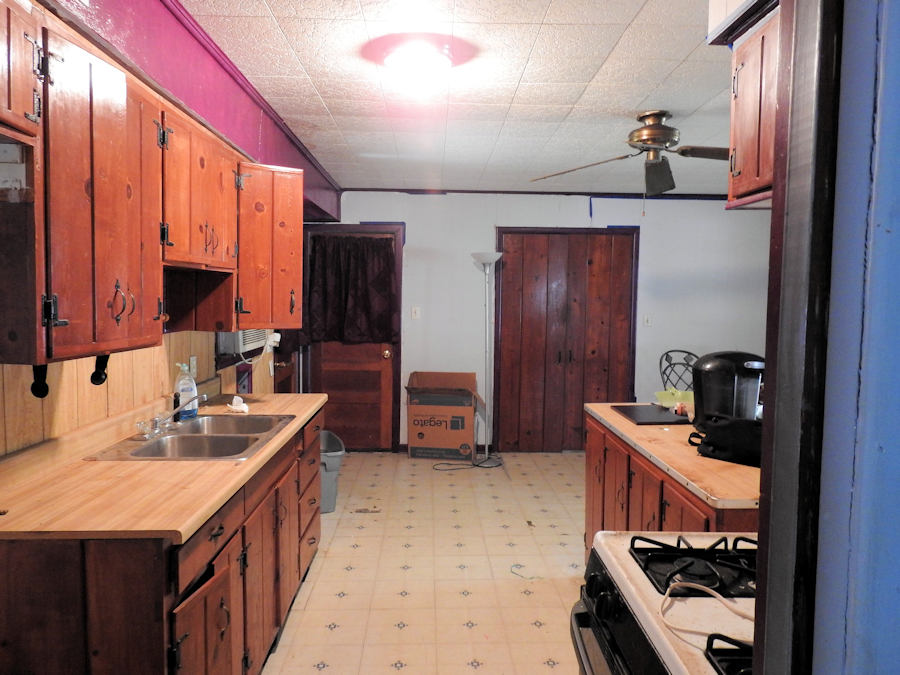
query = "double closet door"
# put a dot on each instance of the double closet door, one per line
(566, 307)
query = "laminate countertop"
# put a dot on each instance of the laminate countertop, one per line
(722, 485)
(50, 491)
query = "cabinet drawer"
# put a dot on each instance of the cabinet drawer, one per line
(257, 487)
(309, 463)
(312, 429)
(196, 552)
(309, 502)
(309, 543)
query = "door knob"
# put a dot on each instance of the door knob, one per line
(386, 354)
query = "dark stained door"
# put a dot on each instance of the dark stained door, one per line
(358, 380)
(566, 302)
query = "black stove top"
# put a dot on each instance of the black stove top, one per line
(727, 568)
(729, 656)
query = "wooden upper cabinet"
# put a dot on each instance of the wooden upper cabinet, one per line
(21, 94)
(270, 252)
(96, 215)
(753, 109)
(198, 195)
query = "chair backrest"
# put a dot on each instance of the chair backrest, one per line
(675, 369)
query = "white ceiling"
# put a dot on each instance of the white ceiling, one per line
(556, 84)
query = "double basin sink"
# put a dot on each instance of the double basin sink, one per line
(205, 437)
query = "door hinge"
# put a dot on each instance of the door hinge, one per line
(38, 59)
(630, 478)
(239, 179)
(242, 560)
(239, 306)
(50, 312)
(175, 652)
(162, 134)
(164, 235)
(246, 661)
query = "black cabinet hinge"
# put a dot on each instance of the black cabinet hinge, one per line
(239, 179)
(164, 235)
(246, 661)
(175, 652)
(50, 312)
(239, 307)
(242, 560)
(162, 134)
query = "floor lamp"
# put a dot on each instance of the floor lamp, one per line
(486, 260)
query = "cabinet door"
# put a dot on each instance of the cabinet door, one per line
(593, 480)
(230, 558)
(270, 228)
(644, 495)
(144, 206)
(202, 628)
(260, 603)
(179, 130)
(288, 493)
(755, 64)
(615, 485)
(681, 514)
(20, 91)
(69, 197)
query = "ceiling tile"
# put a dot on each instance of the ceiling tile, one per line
(255, 44)
(549, 93)
(316, 9)
(660, 41)
(592, 11)
(674, 13)
(567, 53)
(506, 11)
(198, 8)
(547, 113)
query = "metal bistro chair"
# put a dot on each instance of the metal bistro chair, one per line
(675, 369)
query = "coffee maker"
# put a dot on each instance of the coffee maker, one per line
(727, 410)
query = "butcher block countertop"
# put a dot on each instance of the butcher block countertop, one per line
(722, 485)
(50, 491)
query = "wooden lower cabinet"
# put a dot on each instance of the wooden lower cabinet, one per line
(213, 605)
(625, 491)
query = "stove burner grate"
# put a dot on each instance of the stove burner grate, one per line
(735, 658)
(730, 571)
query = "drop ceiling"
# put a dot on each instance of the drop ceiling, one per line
(555, 84)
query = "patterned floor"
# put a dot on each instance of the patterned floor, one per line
(425, 571)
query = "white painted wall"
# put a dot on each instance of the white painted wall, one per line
(702, 275)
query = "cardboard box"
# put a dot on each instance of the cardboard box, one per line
(441, 411)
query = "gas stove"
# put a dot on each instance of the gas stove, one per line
(646, 605)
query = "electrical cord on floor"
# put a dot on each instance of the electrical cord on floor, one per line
(493, 462)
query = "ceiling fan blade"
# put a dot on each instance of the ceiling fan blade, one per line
(586, 166)
(658, 177)
(703, 152)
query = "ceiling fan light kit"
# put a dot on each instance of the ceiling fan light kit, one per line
(651, 140)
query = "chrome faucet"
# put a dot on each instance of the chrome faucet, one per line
(158, 421)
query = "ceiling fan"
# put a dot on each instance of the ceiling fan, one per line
(654, 138)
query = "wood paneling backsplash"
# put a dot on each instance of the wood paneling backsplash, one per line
(135, 378)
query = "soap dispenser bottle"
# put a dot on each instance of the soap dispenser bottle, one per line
(186, 389)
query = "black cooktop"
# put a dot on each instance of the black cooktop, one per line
(729, 656)
(727, 568)
(650, 414)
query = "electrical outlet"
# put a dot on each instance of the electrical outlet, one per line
(192, 366)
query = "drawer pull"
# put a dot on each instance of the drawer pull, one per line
(216, 533)
(312, 541)
(312, 460)
(313, 501)
(227, 612)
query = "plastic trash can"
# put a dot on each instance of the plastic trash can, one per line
(333, 452)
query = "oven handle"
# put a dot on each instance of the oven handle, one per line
(576, 629)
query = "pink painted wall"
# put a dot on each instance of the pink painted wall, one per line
(163, 41)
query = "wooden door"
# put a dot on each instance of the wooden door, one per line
(615, 486)
(260, 604)
(680, 515)
(593, 480)
(230, 558)
(202, 630)
(358, 380)
(179, 130)
(288, 540)
(644, 495)
(270, 214)
(20, 92)
(566, 332)
(144, 206)
(69, 197)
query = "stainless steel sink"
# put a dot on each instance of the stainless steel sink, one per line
(207, 437)
(231, 424)
(184, 446)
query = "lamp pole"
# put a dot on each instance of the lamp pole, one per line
(487, 260)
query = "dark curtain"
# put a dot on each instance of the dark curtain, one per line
(352, 290)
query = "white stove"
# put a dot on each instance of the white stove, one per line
(639, 629)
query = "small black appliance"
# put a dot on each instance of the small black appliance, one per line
(727, 411)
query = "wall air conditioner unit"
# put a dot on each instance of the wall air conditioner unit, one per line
(240, 341)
